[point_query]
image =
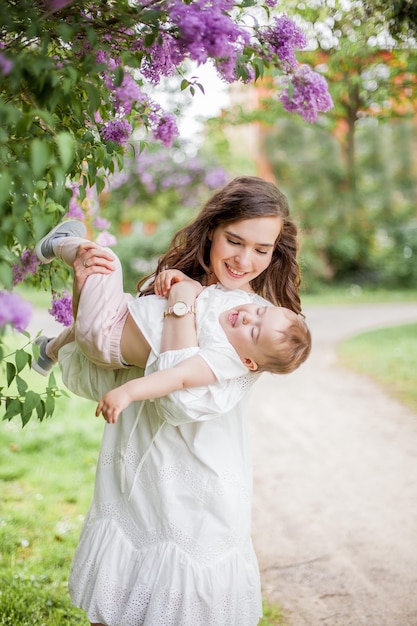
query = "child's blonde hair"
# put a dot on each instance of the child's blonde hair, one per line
(289, 348)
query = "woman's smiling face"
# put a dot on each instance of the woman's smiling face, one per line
(241, 251)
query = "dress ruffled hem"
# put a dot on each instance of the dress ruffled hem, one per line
(119, 585)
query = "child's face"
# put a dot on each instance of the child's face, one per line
(250, 328)
(242, 250)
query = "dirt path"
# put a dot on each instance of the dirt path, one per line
(335, 485)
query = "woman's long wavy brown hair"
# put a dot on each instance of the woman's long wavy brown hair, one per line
(244, 198)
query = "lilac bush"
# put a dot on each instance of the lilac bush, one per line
(78, 89)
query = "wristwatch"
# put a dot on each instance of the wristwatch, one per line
(179, 309)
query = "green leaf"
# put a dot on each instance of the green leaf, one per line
(6, 276)
(21, 385)
(118, 75)
(25, 417)
(66, 149)
(100, 184)
(52, 381)
(40, 410)
(39, 157)
(32, 400)
(49, 405)
(94, 100)
(14, 407)
(5, 186)
(21, 359)
(10, 372)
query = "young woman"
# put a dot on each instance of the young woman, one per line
(167, 537)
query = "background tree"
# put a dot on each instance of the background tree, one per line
(351, 180)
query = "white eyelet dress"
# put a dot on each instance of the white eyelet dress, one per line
(167, 538)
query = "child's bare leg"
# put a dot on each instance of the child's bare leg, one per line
(133, 345)
(101, 318)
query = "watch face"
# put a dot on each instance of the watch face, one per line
(180, 309)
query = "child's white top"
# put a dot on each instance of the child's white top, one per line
(214, 347)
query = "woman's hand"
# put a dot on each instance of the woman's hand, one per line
(90, 259)
(165, 280)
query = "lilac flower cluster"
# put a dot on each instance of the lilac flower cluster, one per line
(75, 211)
(310, 94)
(61, 308)
(6, 65)
(56, 5)
(205, 31)
(14, 310)
(282, 38)
(106, 239)
(166, 129)
(157, 171)
(198, 30)
(28, 264)
(161, 59)
(126, 94)
(116, 130)
(101, 223)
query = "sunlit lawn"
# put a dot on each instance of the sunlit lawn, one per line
(388, 356)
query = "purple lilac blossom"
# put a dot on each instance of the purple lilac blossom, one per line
(28, 264)
(282, 37)
(14, 310)
(216, 178)
(206, 31)
(310, 94)
(161, 59)
(270, 3)
(101, 223)
(56, 5)
(166, 130)
(75, 211)
(6, 65)
(126, 95)
(106, 240)
(61, 308)
(118, 131)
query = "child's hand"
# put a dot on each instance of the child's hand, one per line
(112, 404)
(165, 280)
(187, 288)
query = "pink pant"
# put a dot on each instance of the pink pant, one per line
(101, 315)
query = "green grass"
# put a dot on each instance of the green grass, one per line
(46, 480)
(354, 294)
(388, 356)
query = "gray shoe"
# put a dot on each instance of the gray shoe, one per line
(42, 364)
(71, 228)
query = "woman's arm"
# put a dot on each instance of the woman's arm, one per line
(192, 372)
(181, 332)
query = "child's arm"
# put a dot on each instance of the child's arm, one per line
(192, 372)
